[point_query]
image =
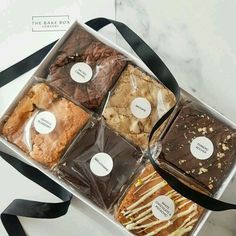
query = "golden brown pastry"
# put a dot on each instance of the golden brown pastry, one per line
(44, 146)
(136, 104)
(135, 211)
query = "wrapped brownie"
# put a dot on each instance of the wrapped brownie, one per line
(152, 207)
(200, 146)
(137, 102)
(100, 164)
(87, 72)
(77, 41)
(43, 124)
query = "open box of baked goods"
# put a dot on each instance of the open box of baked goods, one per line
(84, 119)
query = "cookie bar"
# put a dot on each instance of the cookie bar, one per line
(136, 104)
(43, 124)
(152, 207)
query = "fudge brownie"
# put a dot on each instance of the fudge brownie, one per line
(87, 74)
(200, 146)
(100, 165)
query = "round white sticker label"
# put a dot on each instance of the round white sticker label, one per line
(45, 122)
(163, 208)
(202, 148)
(140, 108)
(101, 164)
(81, 72)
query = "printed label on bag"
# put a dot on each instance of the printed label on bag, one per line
(45, 122)
(50, 23)
(163, 208)
(202, 148)
(101, 164)
(140, 108)
(81, 72)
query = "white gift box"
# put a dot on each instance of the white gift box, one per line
(12, 149)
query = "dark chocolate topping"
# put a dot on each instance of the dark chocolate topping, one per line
(192, 122)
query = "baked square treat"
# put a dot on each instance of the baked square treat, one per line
(87, 75)
(152, 207)
(200, 146)
(136, 104)
(44, 124)
(77, 42)
(100, 164)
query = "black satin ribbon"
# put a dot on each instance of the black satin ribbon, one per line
(24, 65)
(20, 207)
(33, 209)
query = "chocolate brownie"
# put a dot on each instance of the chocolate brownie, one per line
(201, 146)
(100, 165)
(87, 74)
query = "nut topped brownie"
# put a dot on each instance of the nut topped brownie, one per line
(201, 146)
(87, 74)
(43, 124)
(135, 105)
(100, 164)
(152, 207)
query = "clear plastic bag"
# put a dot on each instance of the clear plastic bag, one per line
(85, 69)
(200, 146)
(136, 103)
(43, 124)
(151, 207)
(100, 164)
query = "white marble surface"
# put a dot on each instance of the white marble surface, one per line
(196, 39)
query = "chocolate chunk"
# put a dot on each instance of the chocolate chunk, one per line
(201, 146)
(85, 168)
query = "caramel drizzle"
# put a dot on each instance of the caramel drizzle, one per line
(135, 223)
